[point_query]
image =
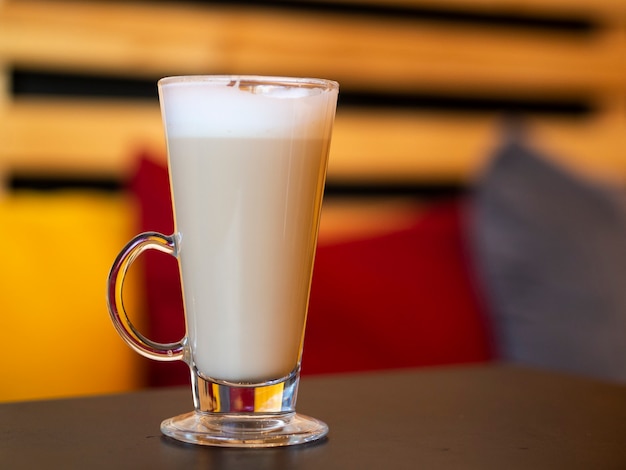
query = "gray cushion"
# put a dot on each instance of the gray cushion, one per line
(551, 250)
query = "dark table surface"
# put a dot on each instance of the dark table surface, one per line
(470, 417)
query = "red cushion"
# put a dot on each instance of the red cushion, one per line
(399, 300)
(164, 304)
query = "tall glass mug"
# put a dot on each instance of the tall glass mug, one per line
(247, 158)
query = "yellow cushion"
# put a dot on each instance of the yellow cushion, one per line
(57, 337)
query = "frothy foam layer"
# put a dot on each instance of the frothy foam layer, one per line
(240, 107)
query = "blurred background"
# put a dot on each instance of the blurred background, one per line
(425, 88)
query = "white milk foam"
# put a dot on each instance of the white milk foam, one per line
(194, 109)
(247, 172)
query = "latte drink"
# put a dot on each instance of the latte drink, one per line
(247, 157)
(247, 181)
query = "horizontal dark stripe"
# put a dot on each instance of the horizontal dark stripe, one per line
(334, 189)
(40, 83)
(472, 102)
(62, 182)
(566, 22)
(36, 82)
(420, 189)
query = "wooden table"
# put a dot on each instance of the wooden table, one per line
(470, 417)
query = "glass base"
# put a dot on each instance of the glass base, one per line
(244, 430)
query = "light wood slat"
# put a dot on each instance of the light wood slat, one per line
(103, 138)
(595, 148)
(410, 146)
(67, 137)
(400, 55)
(413, 147)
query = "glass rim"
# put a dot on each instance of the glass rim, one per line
(225, 80)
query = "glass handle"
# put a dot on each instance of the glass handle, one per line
(141, 344)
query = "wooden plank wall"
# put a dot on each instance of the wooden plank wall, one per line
(424, 83)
